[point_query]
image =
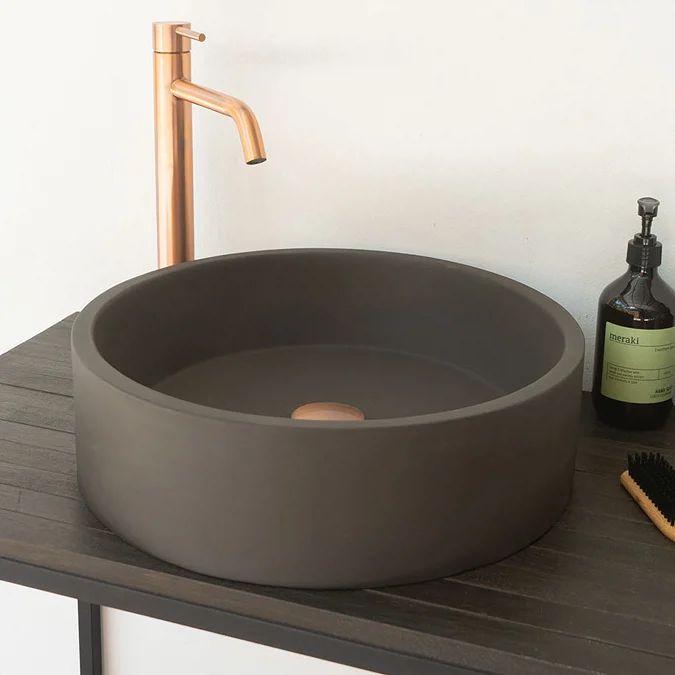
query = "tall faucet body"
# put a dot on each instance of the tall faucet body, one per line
(175, 94)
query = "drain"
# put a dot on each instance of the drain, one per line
(328, 411)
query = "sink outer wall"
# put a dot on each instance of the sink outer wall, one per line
(302, 504)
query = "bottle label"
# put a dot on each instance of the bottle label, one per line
(639, 364)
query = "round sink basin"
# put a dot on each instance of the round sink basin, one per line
(326, 418)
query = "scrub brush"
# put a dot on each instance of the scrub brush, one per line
(650, 481)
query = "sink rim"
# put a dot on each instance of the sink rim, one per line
(84, 348)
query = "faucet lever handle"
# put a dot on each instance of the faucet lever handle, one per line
(190, 34)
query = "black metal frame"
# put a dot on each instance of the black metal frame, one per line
(92, 594)
(89, 627)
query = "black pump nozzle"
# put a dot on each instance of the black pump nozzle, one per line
(648, 208)
(644, 250)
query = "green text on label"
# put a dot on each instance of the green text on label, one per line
(639, 364)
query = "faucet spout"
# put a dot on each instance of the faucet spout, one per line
(247, 124)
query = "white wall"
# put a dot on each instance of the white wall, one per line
(511, 135)
(136, 645)
(39, 635)
(38, 632)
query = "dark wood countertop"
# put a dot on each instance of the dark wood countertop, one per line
(596, 594)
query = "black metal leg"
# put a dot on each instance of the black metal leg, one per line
(89, 622)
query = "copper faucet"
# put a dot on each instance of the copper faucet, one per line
(174, 96)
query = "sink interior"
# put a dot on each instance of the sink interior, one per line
(394, 336)
(383, 383)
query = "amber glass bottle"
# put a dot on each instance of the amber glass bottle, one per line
(635, 338)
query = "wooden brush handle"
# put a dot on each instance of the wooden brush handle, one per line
(646, 504)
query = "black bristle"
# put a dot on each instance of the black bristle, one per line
(656, 478)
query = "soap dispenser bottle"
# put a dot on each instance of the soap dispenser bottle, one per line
(635, 338)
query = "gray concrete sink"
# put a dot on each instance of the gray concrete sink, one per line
(186, 380)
